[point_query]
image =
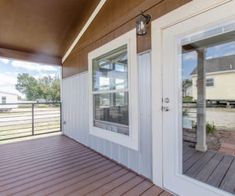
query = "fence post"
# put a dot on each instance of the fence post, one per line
(60, 116)
(32, 118)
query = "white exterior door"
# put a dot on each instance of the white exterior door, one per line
(191, 29)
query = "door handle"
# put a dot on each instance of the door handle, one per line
(165, 109)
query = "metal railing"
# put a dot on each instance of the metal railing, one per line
(28, 119)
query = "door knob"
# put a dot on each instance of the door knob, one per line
(165, 108)
(167, 100)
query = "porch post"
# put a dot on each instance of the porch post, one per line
(201, 103)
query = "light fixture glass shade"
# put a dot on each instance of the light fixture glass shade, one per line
(141, 24)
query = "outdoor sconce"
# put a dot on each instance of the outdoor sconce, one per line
(141, 24)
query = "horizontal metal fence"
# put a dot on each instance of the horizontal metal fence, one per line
(28, 119)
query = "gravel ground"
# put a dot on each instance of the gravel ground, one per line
(223, 118)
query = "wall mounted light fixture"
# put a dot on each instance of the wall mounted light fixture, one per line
(141, 24)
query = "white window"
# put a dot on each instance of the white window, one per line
(210, 82)
(4, 100)
(113, 91)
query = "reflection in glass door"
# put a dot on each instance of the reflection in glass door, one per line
(208, 113)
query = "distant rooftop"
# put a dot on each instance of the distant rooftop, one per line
(225, 63)
(4, 92)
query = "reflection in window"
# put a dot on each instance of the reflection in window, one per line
(110, 68)
(208, 114)
(210, 82)
(111, 112)
(110, 91)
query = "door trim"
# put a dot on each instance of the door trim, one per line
(181, 14)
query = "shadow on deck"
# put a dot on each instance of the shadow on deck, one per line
(214, 168)
(60, 166)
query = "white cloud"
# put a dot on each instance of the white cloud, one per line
(10, 89)
(14, 73)
(53, 75)
(32, 66)
(6, 79)
(5, 61)
(209, 57)
(189, 56)
(7, 84)
(228, 53)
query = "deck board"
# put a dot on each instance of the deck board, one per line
(60, 166)
(228, 182)
(192, 160)
(219, 173)
(214, 168)
(140, 189)
(153, 191)
(208, 169)
(120, 190)
(198, 166)
(112, 185)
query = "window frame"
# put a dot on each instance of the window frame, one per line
(131, 140)
(210, 82)
(4, 99)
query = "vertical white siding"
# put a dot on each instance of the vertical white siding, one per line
(75, 114)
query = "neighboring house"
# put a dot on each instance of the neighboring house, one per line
(220, 74)
(6, 98)
(187, 89)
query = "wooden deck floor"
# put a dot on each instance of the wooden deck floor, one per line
(214, 168)
(60, 166)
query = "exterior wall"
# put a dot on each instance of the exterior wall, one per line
(223, 89)
(11, 98)
(76, 114)
(189, 91)
(113, 20)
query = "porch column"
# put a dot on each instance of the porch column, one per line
(201, 103)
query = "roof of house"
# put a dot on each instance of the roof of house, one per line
(8, 93)
(224, 63)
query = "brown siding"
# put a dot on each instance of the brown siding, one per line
(114, 19)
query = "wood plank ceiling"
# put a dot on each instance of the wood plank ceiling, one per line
(41, 30)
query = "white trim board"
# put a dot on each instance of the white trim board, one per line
(181, 14)
(85, 27)
(131, 141)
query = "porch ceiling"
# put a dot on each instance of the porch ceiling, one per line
(41, 27)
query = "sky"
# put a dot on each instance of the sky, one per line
(189, 60)
(9, 69)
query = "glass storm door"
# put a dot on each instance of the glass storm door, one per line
(199, 104)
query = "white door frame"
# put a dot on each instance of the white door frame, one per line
(181, 14)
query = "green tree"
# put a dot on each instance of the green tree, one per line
(27, 85)
(46, 88)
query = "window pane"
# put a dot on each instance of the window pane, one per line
(111, 112)
(208, 117)
(210, 82)
(4, 100)
(110, 71)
